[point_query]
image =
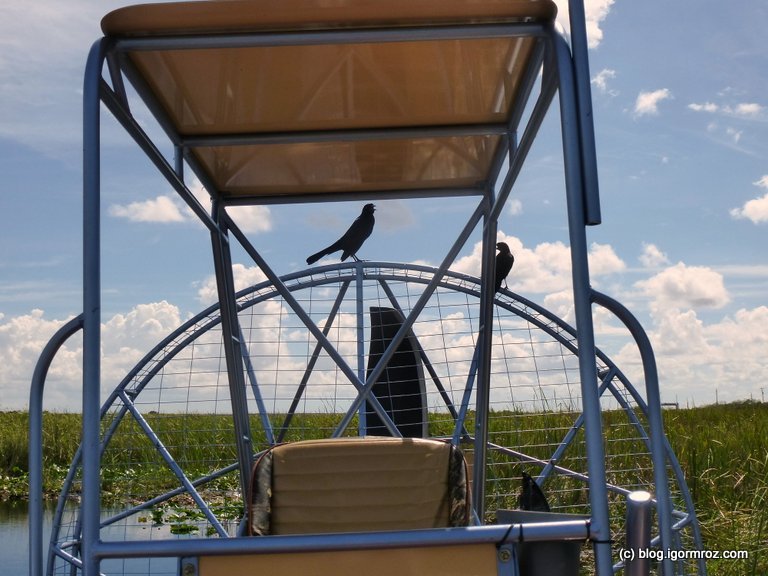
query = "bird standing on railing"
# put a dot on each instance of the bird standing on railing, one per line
(504, 262)
(353, 238)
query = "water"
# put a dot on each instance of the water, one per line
(14, 546)
(14, 537)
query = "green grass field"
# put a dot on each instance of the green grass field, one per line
(723, 450)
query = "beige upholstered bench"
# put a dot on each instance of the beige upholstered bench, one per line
(358, 485)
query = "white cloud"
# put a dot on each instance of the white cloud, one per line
(700, 362)
(125, 339)
(756, 209)
(685, 287)
(746, 109)
(145, 322)
(734, 346)
(244, 277)
(600, 81)
(515, 207)
(652, 257)
(647, 103)
(595, 11)
(603, 260)
(252, 219)
(169, 209)
(706, 107)
(546, 268)
(160, 209)
(741, 110)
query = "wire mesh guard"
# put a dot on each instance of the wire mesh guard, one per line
(169, 464)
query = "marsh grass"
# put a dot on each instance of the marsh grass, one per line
(723, 450)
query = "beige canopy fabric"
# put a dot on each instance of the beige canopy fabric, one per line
(222, 16)
(333, 101)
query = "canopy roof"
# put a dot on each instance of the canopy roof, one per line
(272, 98)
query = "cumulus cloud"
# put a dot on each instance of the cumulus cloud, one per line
(603, 260)
(699, 362)
(756, 209)
(746, 109)
(733, 345)
(171, 209)
(685, 287)
(244, 276)
(252, 219)
(160, 209)
(595, 11)
(647, 103)
(125, 339)
(652, 256)
(545, 268)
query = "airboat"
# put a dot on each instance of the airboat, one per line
(364, 417)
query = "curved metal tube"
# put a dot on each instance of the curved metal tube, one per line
(36, 442)
(655, 421)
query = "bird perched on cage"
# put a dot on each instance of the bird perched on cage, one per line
(532, 496)
(352, 239)
(504, 262)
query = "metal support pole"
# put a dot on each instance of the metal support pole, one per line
(233, 350)
(362, 423)
(482, 397)
(91, 307)
(582, 298)
(638, 533)
(583, 91)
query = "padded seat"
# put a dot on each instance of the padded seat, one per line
(358, 485)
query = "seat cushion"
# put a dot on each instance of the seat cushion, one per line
(358, 484)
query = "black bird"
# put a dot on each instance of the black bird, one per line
(504, 261)
(353, 238)
(531, 496)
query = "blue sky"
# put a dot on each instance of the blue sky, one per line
(681, 120)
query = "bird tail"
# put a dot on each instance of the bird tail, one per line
(316, 256)
(324, 252)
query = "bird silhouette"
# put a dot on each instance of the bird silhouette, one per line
(504, 262)
(352, 239)
(531, 496)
